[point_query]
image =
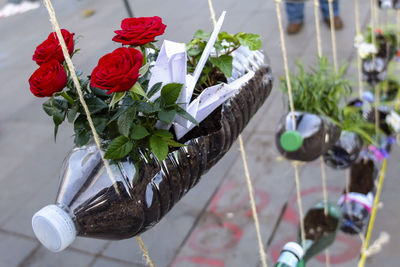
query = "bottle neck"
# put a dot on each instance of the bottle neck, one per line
(287, 259)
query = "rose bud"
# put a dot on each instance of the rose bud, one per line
(117, 71)
(48, 79)
(139, 31)
(51, 49)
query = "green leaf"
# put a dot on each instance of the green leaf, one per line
(95, 104)
(144, 69)
(55, 132)
(100, 124)
(173, 143)
(224, 63)
(154, 89)
(252, 41)
(71, 114)
(82, 131)
(125, 121)
(58, 117)
(138, 132)
(119, 148)
(183, 113)
(138, 89)
(159, 147)
(166, 115)
(163, 133)
(144, 107)
(170, 92)
(226, 36)
(116, 98)
(202, 35)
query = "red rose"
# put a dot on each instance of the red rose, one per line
(51, 49)
(139, 31)
(48, 79)
(117, 71)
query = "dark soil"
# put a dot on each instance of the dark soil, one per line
(363, 175)
(317, 224)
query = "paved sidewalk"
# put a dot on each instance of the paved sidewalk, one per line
(212, 224)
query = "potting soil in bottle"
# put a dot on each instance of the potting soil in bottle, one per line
(320, 229)
(313, 136)
(291, 255)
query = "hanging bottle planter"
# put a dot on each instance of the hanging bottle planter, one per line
(345, 151)
(320, 229)
(162, 128)
(374, 68)
(356, 206)
(313, 137)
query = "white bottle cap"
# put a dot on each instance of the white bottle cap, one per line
(54, 228)
(295, 248)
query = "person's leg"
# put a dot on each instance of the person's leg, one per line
(325, 8)
(336, 12)
(295, 14)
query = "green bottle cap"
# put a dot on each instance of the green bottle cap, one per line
(291, 141)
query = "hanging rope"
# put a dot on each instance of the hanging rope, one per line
(253, 204)
(324, 191)
(333, 34)
(358, 35)
(75, 79)
(317, 28)
(373, 214)
(292, 110)
(285, 61)
(145, 251)
(247, 174)
(299, 202)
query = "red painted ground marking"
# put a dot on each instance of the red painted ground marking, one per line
(235, 235)
(262, 201)
(199, 260)
(352, 246)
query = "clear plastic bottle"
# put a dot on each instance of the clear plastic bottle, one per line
(356, 206)
(90, 204)
(291, 255)
(313, 136)
(345, 151)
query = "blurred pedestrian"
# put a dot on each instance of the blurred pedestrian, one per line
(295, 13)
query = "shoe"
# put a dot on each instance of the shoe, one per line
(337, 21)
(294, 28)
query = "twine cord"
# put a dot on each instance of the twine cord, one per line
(373, 215)
(317, 28)
(333, 34)
(324, 191)
(358, 34)
(145, 251)
(77, 84)
(299, 202)
(253, 203)
(262, 253)
(285, 62)
(96, 138)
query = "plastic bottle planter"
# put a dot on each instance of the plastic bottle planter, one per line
(390, 90)
(345, 151)
(383, 112)
(89, 204)
(313, 137)
(320, 230)
(291, 255)
(356, 206)
(375, 71)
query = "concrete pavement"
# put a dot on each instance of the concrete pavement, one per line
(212, 224)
